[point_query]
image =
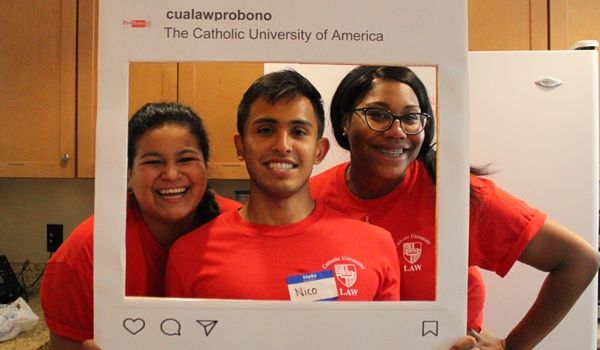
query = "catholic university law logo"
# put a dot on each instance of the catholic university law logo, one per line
(412, 251)
(346, 274)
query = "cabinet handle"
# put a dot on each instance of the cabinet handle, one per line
(64, 158)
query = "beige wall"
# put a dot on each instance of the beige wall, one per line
(27, 205)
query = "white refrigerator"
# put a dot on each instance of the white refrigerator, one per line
(542, 142)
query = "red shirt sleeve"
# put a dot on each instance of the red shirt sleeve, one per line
(501, 226)
(67, 287)
(476, 300)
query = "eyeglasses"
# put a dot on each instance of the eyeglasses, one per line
(382, 120)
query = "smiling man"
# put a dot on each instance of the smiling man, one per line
(283, 245)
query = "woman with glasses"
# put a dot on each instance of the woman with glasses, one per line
(382, 115)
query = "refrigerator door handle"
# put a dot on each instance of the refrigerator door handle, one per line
(549, 82)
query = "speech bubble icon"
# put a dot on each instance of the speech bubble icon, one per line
(170, 327)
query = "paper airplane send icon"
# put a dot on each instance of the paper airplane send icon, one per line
(208, 325)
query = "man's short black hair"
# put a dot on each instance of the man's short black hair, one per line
(275, 86)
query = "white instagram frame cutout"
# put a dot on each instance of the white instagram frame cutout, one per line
(429, 32)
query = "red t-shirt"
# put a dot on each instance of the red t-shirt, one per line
(475, 299)
(230, 258)
(500, 227)
(67, 292)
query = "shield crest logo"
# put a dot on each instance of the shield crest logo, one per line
(412, 251)
(346, 274)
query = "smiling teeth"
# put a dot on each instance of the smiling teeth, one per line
(172, 192)
(280, 166)
(397, 153)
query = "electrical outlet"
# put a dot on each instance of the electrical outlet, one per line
(54, 237)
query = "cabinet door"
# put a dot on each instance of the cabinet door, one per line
(214, 90)
(148, 82)
(572, 21)
(87, 78)
(151, 82)
(508, 25)
(37, 93)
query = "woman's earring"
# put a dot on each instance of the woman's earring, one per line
(344, 133)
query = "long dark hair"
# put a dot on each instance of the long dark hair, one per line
(357, 84)
(154, 115)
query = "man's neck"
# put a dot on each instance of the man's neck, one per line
(268, 210)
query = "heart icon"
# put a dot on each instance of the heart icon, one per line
(134, 326)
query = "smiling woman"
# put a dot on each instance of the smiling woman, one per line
(390, 182)
(168, 152)
(168, 177)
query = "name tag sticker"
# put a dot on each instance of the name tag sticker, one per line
(315, 286)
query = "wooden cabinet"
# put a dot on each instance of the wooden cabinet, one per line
(573, 20)
(49, 77)
(211, 89)
(214, 91)
(508, 25)
(514, 25)
(148, 81)
(151, 82)
(37, 93)
(87, 72)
